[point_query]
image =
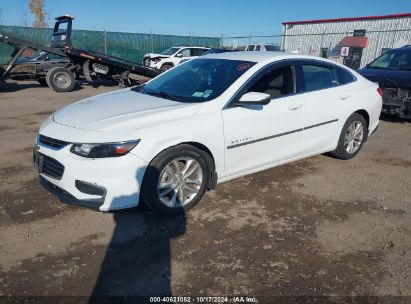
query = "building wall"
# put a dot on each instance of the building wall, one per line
(382, 33)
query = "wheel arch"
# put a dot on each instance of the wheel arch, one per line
(200, 146)
(168, 63)
(365, 114)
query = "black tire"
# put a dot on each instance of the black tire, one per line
(43, 82)
(149, 190)
(166, 66)
(60, 79)
(341, 152)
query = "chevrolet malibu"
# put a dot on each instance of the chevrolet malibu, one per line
(204, 122)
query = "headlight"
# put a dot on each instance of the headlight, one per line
(37, 140)
(104, 150)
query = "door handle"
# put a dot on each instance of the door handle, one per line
(295, 106)
(344, 96)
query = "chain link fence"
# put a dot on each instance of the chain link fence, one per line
(352, 48)
(129, 46)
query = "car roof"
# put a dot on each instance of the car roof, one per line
(257, 56)
(195, 47)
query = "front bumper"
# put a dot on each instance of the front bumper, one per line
(103, 183)
(151, 63)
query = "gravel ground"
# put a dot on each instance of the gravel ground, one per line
(316, 227)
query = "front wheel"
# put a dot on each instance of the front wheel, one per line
(166, 67)
(353, 135)
(176, 179)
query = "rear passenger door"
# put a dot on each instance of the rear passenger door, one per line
(321, 104)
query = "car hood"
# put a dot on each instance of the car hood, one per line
(388, 78)
(122, 110)
(154, 55)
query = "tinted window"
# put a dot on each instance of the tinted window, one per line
(318, 77)
(197, 52)
(276, 83)
(196, 80)
(344, 76)
(170, 51)
(258, 48)
(399, 59)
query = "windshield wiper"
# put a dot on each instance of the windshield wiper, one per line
(164, 95)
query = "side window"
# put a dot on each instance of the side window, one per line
(258, 48)
(318, 77)
(278, 82)
(185, 53)
(344, 76)
(197, 52)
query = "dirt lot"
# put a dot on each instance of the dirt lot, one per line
(317, 227)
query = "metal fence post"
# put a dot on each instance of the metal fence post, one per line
(152, 42)
(105, 41)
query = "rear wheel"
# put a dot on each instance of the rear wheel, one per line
(60, 79)
(176, 179)
(353, 135)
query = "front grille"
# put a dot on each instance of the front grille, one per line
(51, 142)
(52, 167)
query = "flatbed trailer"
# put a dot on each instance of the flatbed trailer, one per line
(87, 64)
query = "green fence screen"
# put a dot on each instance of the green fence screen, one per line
(130, 46)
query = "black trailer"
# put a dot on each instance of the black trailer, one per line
(78, 63)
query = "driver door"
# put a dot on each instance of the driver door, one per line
(261, 135)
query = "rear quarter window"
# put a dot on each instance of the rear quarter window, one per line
(344, 76)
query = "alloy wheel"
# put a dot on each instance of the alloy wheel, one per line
(353, 137)
(179, 182)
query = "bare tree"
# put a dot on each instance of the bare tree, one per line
(38, 10)
(24, 18)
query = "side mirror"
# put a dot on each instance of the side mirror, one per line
(179, 55)
(253, 98)
(47, 58)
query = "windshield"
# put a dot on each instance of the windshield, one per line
(393, 60)
(170, 51)
(196, 80)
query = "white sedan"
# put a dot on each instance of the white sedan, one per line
(207, 121)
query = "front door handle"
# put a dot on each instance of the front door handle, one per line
(295, 106)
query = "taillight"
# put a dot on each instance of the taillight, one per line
(379, 91)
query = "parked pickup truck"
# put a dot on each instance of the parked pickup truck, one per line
(392, 71)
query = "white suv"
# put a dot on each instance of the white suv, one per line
(263, 47)
(172, 57)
